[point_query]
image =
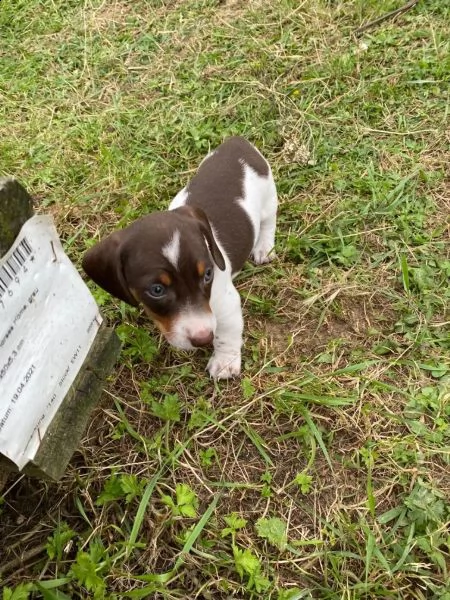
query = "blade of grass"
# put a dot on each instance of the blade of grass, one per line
(370, 545)
(143, 592)
(355, 368)
(148, 494)
(409, 544)
(190, 541)
(316, 433)
(369, 488)
(405, 272)
(196, 531)
(258, 443)
(321, 400)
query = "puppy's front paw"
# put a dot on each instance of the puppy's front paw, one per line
(263, 253)
(224, 366)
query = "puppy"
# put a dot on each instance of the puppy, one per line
(180, 263)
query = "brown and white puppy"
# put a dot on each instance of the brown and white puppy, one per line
(179, 264)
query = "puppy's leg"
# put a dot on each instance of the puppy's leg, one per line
(261, 252)
(226, 306)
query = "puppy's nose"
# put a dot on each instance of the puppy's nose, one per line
(202, 338)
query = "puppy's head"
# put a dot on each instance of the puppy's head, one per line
(166, 262)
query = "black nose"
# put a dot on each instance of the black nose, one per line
(202, 339)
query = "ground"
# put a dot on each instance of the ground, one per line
(324, 471)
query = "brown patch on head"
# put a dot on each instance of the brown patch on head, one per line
(201, 268)
(165, 278)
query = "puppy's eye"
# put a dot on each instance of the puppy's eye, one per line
(157, 290)
(207, 277)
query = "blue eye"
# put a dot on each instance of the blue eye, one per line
(207, 278)
(157, 290)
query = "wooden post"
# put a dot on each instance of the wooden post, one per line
(66, 429)
(16, 207)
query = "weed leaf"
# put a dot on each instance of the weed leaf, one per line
(274, 530)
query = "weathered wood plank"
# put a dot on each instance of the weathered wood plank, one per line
(16, 207)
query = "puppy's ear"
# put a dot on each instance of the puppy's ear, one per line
(103, 264)
(205, 228)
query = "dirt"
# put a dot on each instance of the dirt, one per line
(349, 321)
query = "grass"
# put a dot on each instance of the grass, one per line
(324, 471)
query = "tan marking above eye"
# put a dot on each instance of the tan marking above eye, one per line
(201, 268)
(165, 279)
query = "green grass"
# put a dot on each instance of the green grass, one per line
(323, 472)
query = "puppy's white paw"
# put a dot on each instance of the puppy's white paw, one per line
(224, 366)
(263, 253)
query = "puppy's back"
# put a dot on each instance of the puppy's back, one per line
(217, 188)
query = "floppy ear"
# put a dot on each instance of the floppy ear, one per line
(103, 264)
(205, 228)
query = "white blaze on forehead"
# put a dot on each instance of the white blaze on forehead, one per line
(172, 249)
